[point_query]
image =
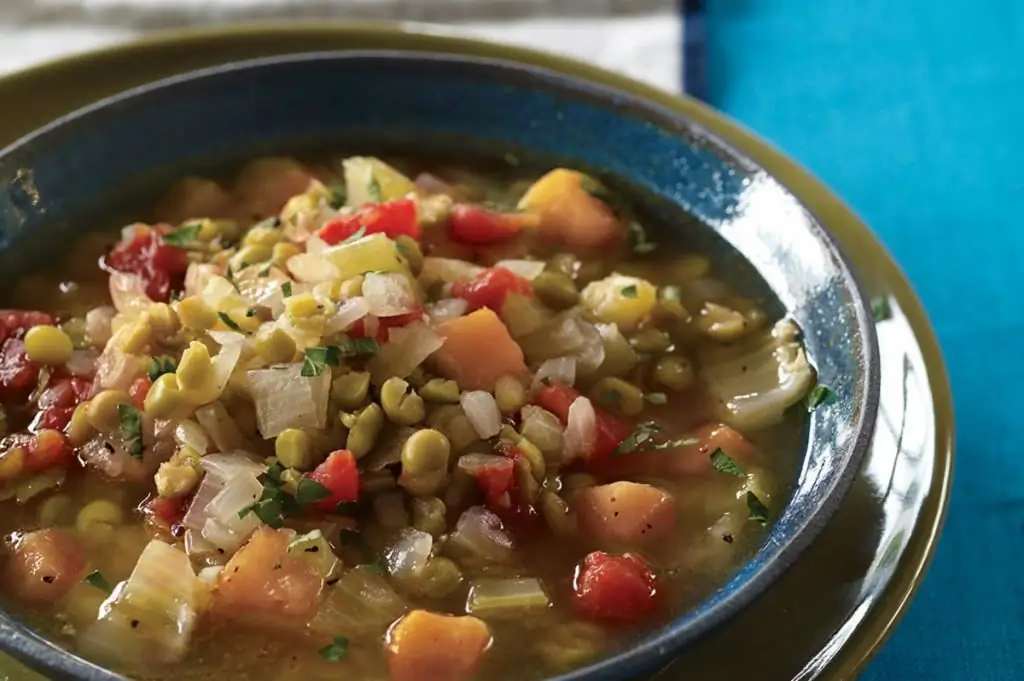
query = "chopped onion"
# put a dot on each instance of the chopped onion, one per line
(505, 596)
(566, 335)
(527, 269)
(221, 428)
(195, 517)
(591, 351)
(128, 293)
(188, 433)
(223, 527)
(407, 348)
(226, 466)
(285, 398)
(226, 360)
(543, 429)
(210, 575)
(197, 547)
(221, 294)
(408, 554)
(480, 533)
(447, 270)
(449, 308)
(388, 294)
(116, 370)
(107, 455)
(97, 324)
(311, 268)
(560, 370)
(82, 363)
(361, 602)
(315, 244)
(580, 429)
(197, 276)
(148, 621)
(482, 411)
(348, 313)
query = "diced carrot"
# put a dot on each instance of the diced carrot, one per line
(424, 646)
(44, 566)
(478, 350)
(625, 512)
(568, 212)
(263, 579)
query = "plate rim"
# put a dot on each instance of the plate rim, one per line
(827, 207)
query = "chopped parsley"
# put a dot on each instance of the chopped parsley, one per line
(629, 291)
(880, 308)
(310, 491)
(819, 395)
(319, 357)
(158, 366)
(251, 312)
(656, 398)
(96, 579)
(357, 347)
(336, 650)
(642, 440)
(758, 511)
(182, 236)
(131, 429)
(338, 196)
(286, 289)
(373, 189)
(638, 241)
(722, 463)
(229, 322)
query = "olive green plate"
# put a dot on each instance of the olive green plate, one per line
(831, 611)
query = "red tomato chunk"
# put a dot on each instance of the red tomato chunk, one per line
(489, 288)
(339, 475)
(18, 375)
(393, 219)
(161, 267)
(615, 589)
(611, 431)
(14, 323)
(477, 226)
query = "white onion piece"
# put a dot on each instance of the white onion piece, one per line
(481, 533)
(115, 369)
(197, 276)
(315, 244)
(284, 398)
(388, 294)
(311, 268)
(407, 348)
(447, 270)
(227, 465)
(188, 433)
(449, 308)
(348, 313)
(527, 269)
(223, 526)
(580, 429)
(227, 359)
(97, 324)
(128, 293)
(195, 518)
(408, 554)
(82, 363)
(107, 455)
(197, 547)
(360, 602)
(482, 411)
(560, 370)
(210, 575)
(221, 294)
(148, 621)
(591, 352)
(218, 424)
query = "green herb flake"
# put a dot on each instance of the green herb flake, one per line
(373, 189)
(229, 322)
(880, 308)
(251, 312)
(630, 291)
(656, 398)
(723, 463)
(819, 395)
(338, 196)
(182, 236)
(638, 240)
(286, 289)
(358, 347)
(642, 440)
(310, 491)
(96, 579)
(758, 511)
(158, 366)
(131, 429)
(319, 357)
(336, 650)
(274, 503)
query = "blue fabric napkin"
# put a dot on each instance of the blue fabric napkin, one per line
(913, 111)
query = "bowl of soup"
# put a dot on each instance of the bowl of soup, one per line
(406, 367)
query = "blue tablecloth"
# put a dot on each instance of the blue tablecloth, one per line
(914, 112)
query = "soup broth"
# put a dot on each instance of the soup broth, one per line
(404, 422)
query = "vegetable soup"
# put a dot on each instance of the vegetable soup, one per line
(343, 421)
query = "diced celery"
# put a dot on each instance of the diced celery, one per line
(372, 253)
(488, 597)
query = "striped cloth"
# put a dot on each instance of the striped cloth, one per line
(645, 39)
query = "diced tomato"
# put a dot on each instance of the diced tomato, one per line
(18, 375)
(16, 322)
(339, 475)
(139, 390)
(161, 267)
(54, 418)
(168, 511)
(49, 449)
(478, 227)
(393, 219)
(615, 589)
(358, 329)
(58, 402)
(611, 431)
(496, 481)
(489, 288)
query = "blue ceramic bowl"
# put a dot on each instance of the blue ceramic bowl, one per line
(431, 103)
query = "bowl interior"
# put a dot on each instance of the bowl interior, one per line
(51, 181)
